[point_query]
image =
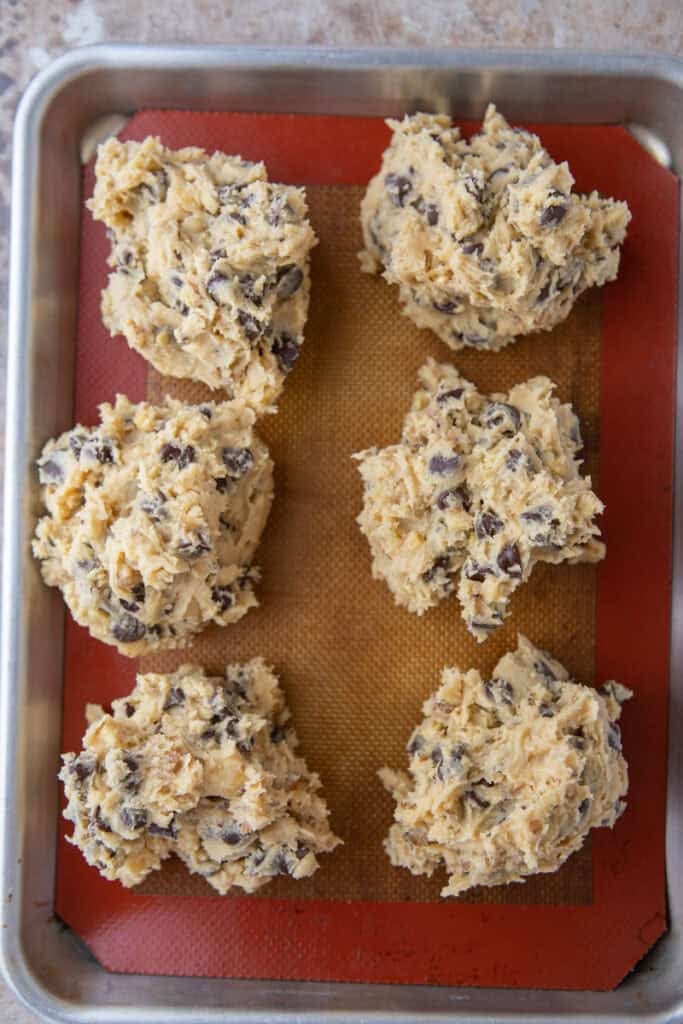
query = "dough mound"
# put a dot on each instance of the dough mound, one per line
(202, 767)
(484, 238)
(210, 274)
(507, 775)
(153, 519)
(484, 486)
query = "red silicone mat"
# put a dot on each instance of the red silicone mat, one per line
(460, 943)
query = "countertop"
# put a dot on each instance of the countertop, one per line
(33, 32)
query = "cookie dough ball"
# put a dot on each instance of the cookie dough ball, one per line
(153, 519)
(507, 775)
(484, 238)
(199, 766)
(209, 265)
(484, 486)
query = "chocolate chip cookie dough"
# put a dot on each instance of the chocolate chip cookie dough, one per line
(484, 237)
(209, 265)
(153, 519)
(507, 775)
(484, 486)
(202, 767)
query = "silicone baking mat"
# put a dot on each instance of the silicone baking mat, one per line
(355, 668)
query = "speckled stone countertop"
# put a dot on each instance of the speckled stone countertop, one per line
(33, 32)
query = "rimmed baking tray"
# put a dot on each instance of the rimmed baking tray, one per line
(45, 963)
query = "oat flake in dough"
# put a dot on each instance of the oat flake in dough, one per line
(484, 237)
(153, 519)
(210, 276)
(484, 486)
(507, 775)
(202, 767)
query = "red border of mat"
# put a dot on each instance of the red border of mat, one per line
(457, 944)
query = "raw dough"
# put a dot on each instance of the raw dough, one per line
(486, 485)
(153, 519)
(508, 775)
(210, 272)
(203, 767)
(484, 237)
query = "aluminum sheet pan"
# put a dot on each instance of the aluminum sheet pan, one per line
(61, 114)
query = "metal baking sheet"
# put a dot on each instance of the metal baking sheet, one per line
(62, 114)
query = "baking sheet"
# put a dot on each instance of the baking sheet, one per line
(351, 388)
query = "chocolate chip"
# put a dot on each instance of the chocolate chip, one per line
(100, 822)
(614, 737)
(82, 767)
(174, 699)
(480, 624)
(208, 734)
(498, 414)
(416, 745)
(445, 465)
(164, 831)
(104, 452)
(474, 189)
(452, 498)
(193, 547)
(544, 293)
(540, 514)
(546, 711)
(286, 351)
(130, 606)
(452, 395)
(440, 567)
(134, 818)
(576, 739)
(449, 306)
(214, 282)
(253, 328)
(476, 572)
(553, 215)
(223, 597)
(50, 471)
(487, 525)
(545, 670)
(245, 746)
(206, 411)
(130, 762)
(513, 459)
(472, 248)
(432, 214)
(471, 794)
(221, 483)
(238, 461)
(138, 592)
(153, 506)
(76, 442)
(278, 734)
(509, 560)
(239, 217)
(127, 629)
(289, 279)
(181, 456)
(232, 837)
(301, 850)
(499, 691)
(129, 709)
(583, 807)
(398, 187)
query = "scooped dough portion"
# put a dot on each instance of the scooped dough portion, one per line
(484, 486)
(484, 237)
(507, 775)
(209, 260)
(204, 767)
(153, 519)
